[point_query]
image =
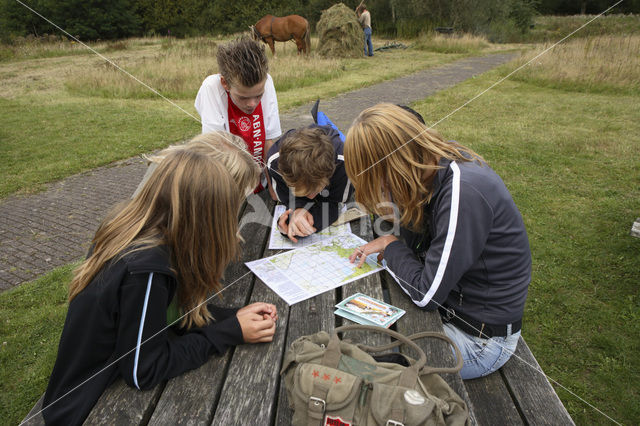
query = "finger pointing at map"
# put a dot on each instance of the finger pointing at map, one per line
(376, 246)
(282, 222)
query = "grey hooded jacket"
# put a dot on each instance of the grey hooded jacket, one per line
(474, 253)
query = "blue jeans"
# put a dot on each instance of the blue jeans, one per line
(367, 42)
(481, 356)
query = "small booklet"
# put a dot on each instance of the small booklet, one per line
(366, 310)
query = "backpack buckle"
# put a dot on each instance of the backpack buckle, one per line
(318, 401)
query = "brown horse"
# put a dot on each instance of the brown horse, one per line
(271, 29)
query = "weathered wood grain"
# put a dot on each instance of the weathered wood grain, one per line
(192, 397)
(370, 285)
(534, 395)
(492, 403)
(34, 418)
(307, 317)
(121, 404)
(251, 387)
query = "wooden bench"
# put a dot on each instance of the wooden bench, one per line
(244, 387)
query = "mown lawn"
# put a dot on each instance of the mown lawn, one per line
(66, 114)
(570, 160)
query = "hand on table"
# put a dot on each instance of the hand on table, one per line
(258, 322)
(376, 246)
(300, 224)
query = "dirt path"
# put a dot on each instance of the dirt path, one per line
(53, 228)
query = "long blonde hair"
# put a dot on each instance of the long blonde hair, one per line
(391, 156)
(230, 149)
(190, 204)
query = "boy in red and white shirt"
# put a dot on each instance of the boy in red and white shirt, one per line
(241, 99)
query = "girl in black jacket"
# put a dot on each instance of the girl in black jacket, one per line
(155, 262)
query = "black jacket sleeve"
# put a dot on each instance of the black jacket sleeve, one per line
(147, 354)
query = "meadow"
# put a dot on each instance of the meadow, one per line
(67, 114)
(563, 133)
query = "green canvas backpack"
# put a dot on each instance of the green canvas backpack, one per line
(334, 382)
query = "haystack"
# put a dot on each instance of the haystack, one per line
(340, 33)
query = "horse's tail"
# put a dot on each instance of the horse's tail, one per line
(307, 38)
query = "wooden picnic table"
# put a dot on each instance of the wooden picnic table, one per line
(243, 386)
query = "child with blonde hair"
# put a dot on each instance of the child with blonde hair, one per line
(471, 257)
(155, 263)
(229, 149)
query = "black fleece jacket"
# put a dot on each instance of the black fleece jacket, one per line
(117, 327)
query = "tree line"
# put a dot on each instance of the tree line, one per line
(97, 19)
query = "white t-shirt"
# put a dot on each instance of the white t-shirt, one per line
(212, 105)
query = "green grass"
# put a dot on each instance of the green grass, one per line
(45, 141)
(32, 319)
(554, 28)
(571, 163)
(65, 115)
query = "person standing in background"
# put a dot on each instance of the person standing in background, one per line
(364, 17)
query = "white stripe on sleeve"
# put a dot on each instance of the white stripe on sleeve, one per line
(346, 189)
(144, 314)
(451, 233)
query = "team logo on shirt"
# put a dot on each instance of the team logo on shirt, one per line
(244, 124)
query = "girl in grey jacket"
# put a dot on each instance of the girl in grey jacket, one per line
(463, 248)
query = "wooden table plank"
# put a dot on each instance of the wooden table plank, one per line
(35, 416)
(192, 397)
(535, 397)
(492, 403)
(305, 318)
(370, 285)
(121, 404)
(251, 388)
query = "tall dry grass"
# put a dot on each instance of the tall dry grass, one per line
(54, 46)
(598, 63)
(178, 67)
(552, 28)
(466, 43)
